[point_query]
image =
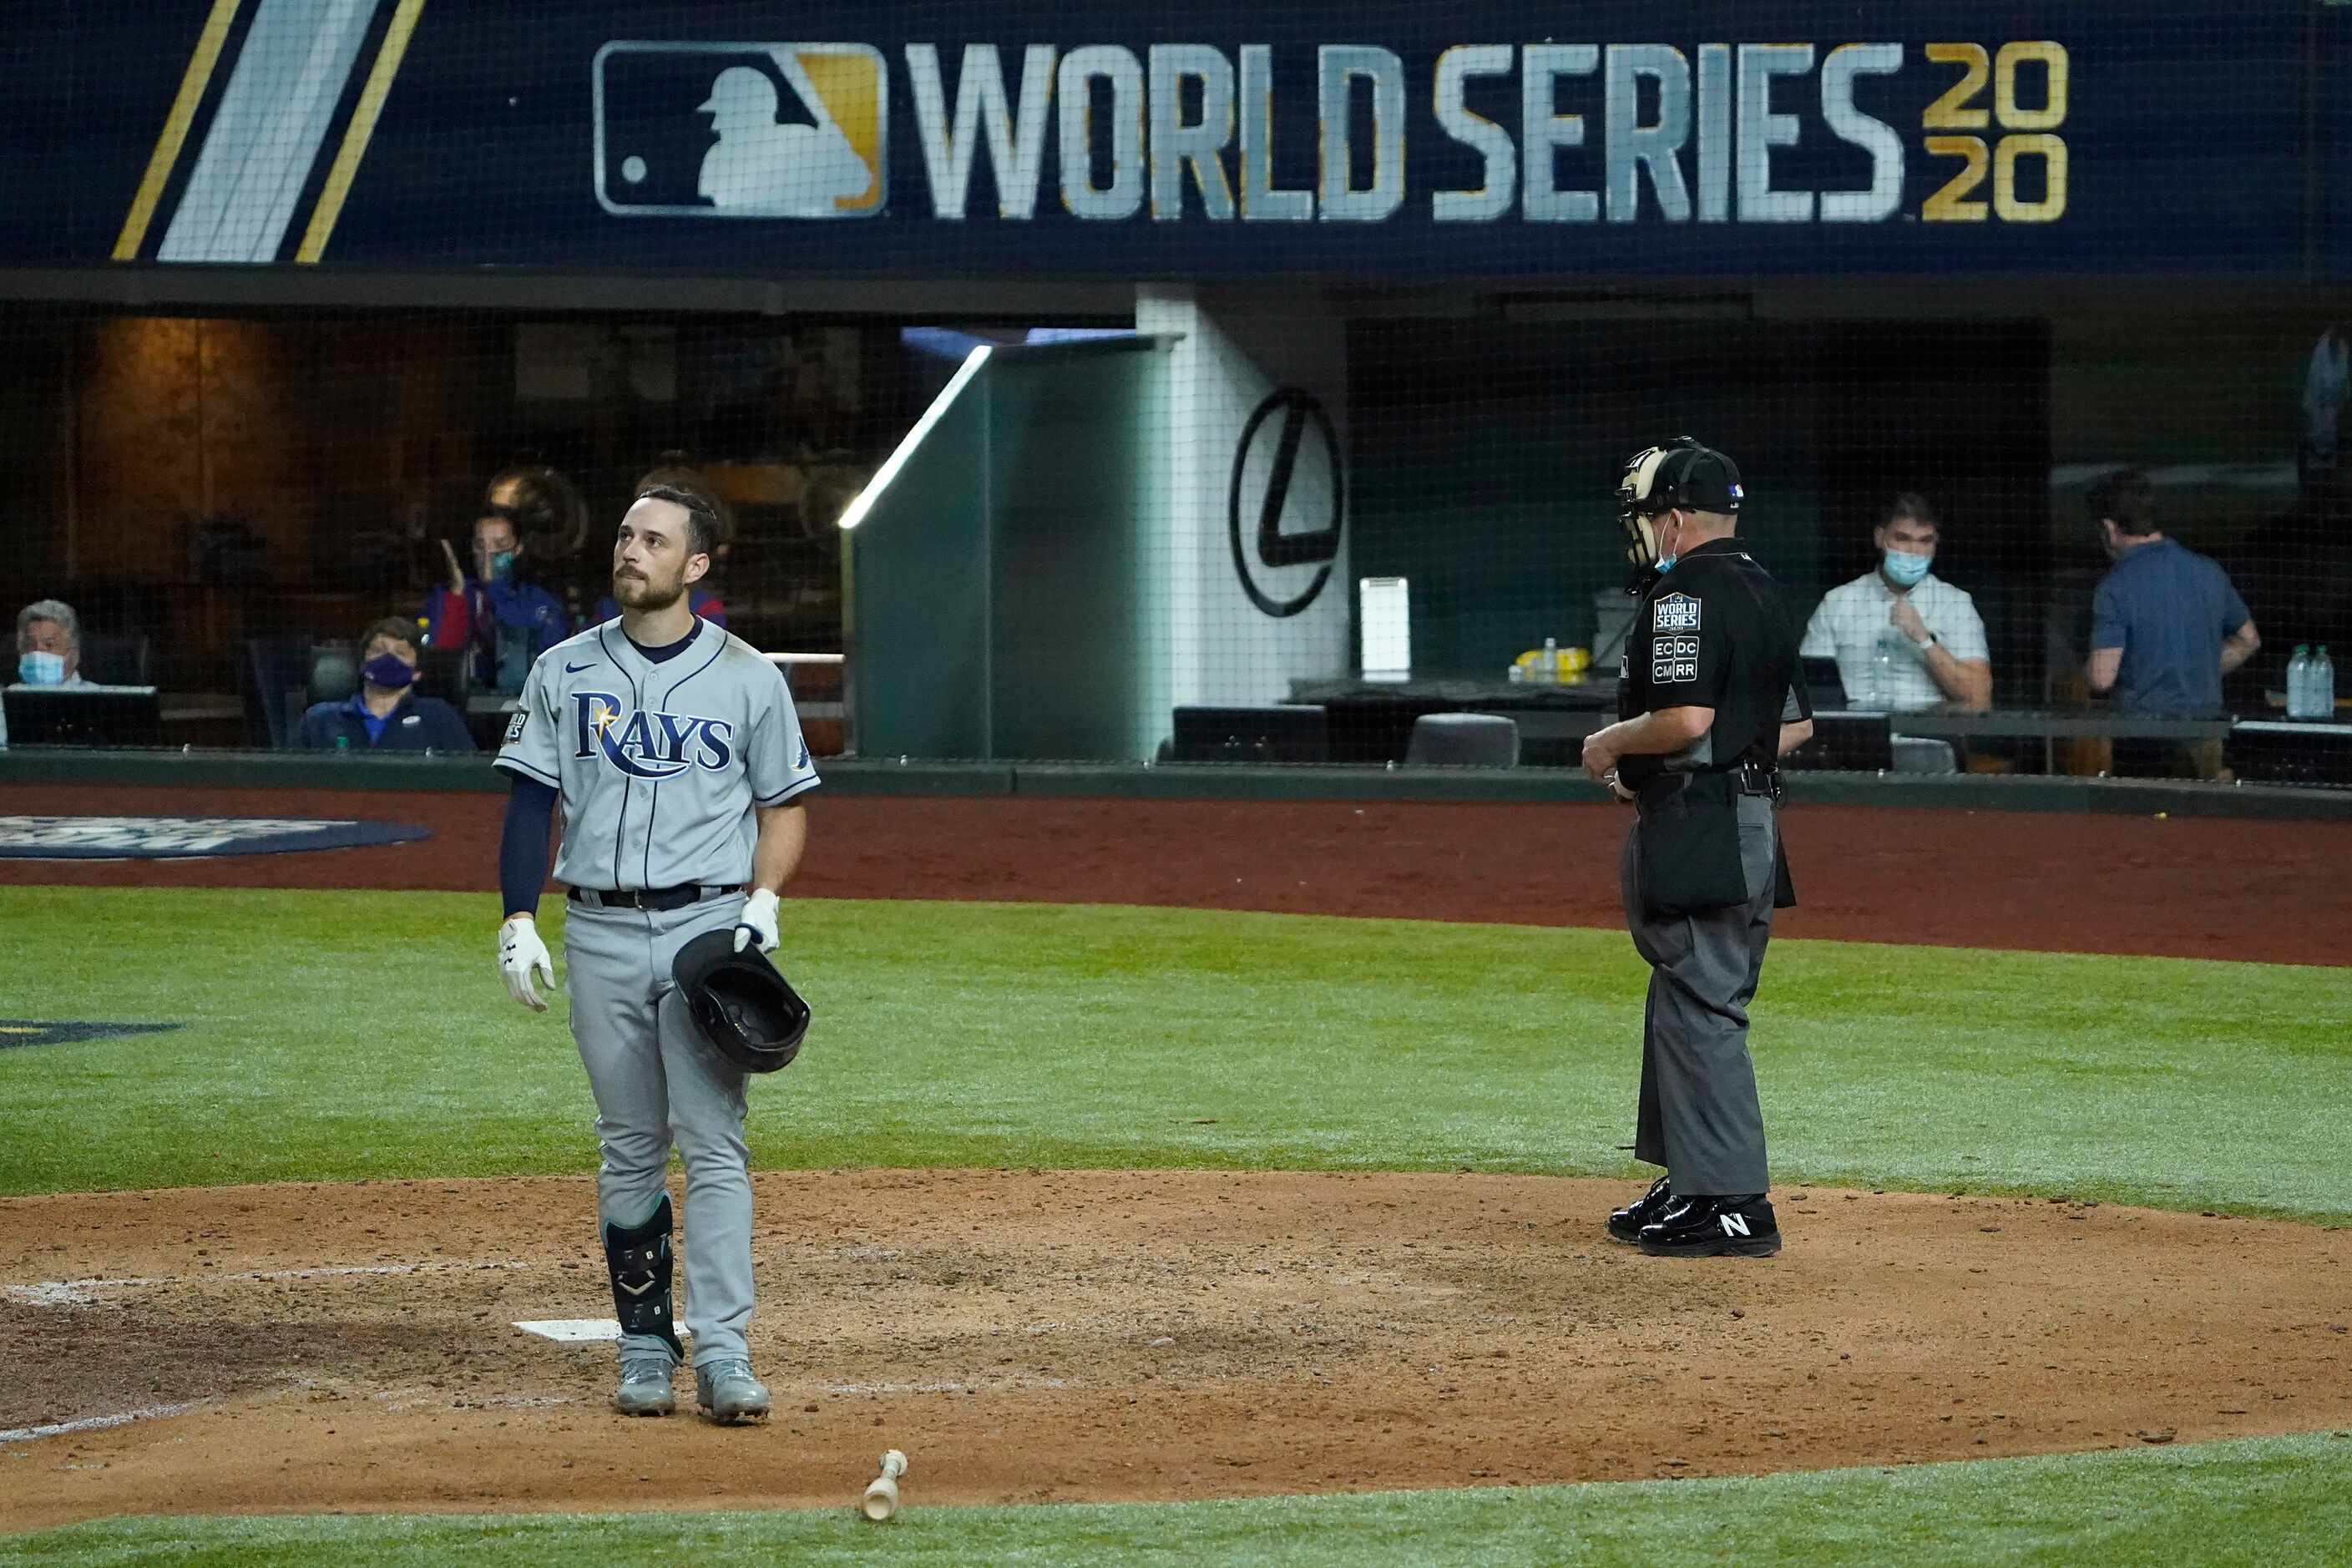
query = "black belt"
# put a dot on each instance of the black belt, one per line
(654, 898)
(1746, 778)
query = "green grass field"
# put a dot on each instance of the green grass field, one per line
(341, 1036)
(2265, 1503)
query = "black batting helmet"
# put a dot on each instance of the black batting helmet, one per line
(748, 1013)
(1682, 472)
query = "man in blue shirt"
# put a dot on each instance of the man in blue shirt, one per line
(383, 715)
(2166, 623)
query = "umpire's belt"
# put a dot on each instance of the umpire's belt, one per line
(1745, 779)
(654, 899)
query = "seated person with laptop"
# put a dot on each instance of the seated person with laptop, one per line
(384, 714)
(49, 651)
(1904, 641)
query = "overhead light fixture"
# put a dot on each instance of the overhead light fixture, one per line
(855, 512)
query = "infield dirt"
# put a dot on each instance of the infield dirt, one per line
(1032, 1336)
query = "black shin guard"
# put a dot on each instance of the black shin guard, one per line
(639, 1261)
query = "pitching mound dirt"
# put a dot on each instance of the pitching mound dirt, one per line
(1107, 1335)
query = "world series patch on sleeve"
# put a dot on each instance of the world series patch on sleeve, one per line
(1676, 613)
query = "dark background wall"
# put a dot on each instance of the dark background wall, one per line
(1487, 454)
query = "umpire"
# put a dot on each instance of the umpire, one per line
(1706, 704)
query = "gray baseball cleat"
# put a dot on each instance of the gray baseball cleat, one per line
(726, 1392)
(645, 1386)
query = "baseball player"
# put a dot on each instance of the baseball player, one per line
(676, 752)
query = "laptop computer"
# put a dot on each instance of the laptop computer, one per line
(1851, 743)
(83, 716)
(1824, 687)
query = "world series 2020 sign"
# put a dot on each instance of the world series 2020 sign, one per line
(1391, 137)
(1185, 131)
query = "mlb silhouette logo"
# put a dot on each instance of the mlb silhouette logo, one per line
(764, 131)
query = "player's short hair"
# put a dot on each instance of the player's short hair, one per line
(2127, 499)
(1912, 506)
(398, 627)
(701, 516)
(46, 610)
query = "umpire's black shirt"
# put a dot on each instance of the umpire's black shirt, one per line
(1714, 631)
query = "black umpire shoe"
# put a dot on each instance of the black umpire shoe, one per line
(1625, 1225)
(1710, 1226)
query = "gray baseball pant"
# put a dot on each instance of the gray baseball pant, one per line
(657, 1080)
(1699, 1116)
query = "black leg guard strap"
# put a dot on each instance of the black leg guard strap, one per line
(639, 1261)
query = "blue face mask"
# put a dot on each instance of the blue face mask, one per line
(388, 670)
(1904, 570)
(41, 669)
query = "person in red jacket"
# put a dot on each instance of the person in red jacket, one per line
(504, 621)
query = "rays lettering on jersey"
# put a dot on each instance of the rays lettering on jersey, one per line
(646, 745)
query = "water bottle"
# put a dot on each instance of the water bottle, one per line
(1883, 681)
(2298, 683)
(2320, 684)
(1548, 671)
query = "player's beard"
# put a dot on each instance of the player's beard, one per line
(647, 594)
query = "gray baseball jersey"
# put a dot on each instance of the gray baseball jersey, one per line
(659, 765)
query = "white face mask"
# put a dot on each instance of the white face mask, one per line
(38, 669)
(1666, 562)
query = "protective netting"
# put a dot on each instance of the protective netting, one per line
(1314, 340)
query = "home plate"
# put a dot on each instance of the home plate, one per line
(575, 1330)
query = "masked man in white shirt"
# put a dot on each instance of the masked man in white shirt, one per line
(1904, 639)
(48, 649)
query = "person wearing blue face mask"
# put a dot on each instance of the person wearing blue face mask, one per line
(384, 714)
(48, 649)
(1904, 639)
(504, 621)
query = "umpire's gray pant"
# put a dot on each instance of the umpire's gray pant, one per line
(657, 1080)
(1699, 1116)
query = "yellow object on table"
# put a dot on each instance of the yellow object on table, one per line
(1567, 667)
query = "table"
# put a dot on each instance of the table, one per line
(2293, 751)
(196, 707)
(203, 718)
(1371, 721)
(2050, 725)
(2055, 724)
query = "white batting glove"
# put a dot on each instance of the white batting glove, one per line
(520, 953)
(757, 922)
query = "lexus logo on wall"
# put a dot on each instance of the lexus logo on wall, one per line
(1269, 475)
